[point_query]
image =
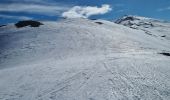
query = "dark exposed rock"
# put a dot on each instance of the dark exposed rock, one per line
(30, 23)
(165, 54)
(99, 23)
(163, 36)
(128, 18)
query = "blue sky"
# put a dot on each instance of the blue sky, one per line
(15, 10)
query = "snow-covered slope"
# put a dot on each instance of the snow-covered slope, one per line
(81, 59)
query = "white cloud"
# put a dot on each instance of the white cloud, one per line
(86, 11)
(31, 1)
(34, 8)
(15, 17)
(164, 9)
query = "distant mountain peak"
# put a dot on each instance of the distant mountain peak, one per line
(150, 26)
(136, 21)
(132, 18)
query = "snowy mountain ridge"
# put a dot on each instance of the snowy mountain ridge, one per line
(150, 26)
(82, 59)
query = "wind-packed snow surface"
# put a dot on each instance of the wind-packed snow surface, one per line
(81, 59)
